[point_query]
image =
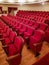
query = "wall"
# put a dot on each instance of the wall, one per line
(35, 7)
(5, 8)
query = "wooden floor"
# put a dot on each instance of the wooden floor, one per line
(28, 57)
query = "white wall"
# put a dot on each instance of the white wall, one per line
(35, 7)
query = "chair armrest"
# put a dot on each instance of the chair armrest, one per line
(36, 44)
(5, 46)
(2, 39)
(11, 57)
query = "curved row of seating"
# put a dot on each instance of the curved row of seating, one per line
(27, 21)
(36, 15)
(33, 24)
(31, 13)
(11, 43)
(28, 33)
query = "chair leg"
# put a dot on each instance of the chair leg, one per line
(37, 54)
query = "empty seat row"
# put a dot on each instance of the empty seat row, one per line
(16, 25)
(36, 15)
(27, 32)
(36, 25)
(11, 43)
(30, 13)
(27, 21)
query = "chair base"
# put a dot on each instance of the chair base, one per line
(37, 54)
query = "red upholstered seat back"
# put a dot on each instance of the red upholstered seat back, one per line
(18, 43)
(30, 30)
(39, 34)
(43, 26)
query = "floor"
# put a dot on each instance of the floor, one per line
(28, 57)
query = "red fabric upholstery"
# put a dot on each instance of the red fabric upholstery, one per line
(26, 22)
(12, 35)
(43, 26)
(29, 32)
(36, 25)
(11, 50)
(6, 41)
(15, 48)
(47, 35)
(18, 27)
(35, 39)
(31, 23)
(43, 61)
(22, 30)
(19, 44)
(15, 61)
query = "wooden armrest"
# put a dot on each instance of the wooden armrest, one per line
(11, 57)
(5, 46)
(37, 44)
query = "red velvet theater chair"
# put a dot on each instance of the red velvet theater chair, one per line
(29, 32)
(15, 25)
(47, 35)
(43, 26)
(0, 33)
(15, 47)
(31, 23)
(18, 27)
(8, 39)
(47, 20)
(36, 25)
(35, 42)
(5, 33)
(26, 22)
(22, 30)
(14, 59)
(14, 51)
